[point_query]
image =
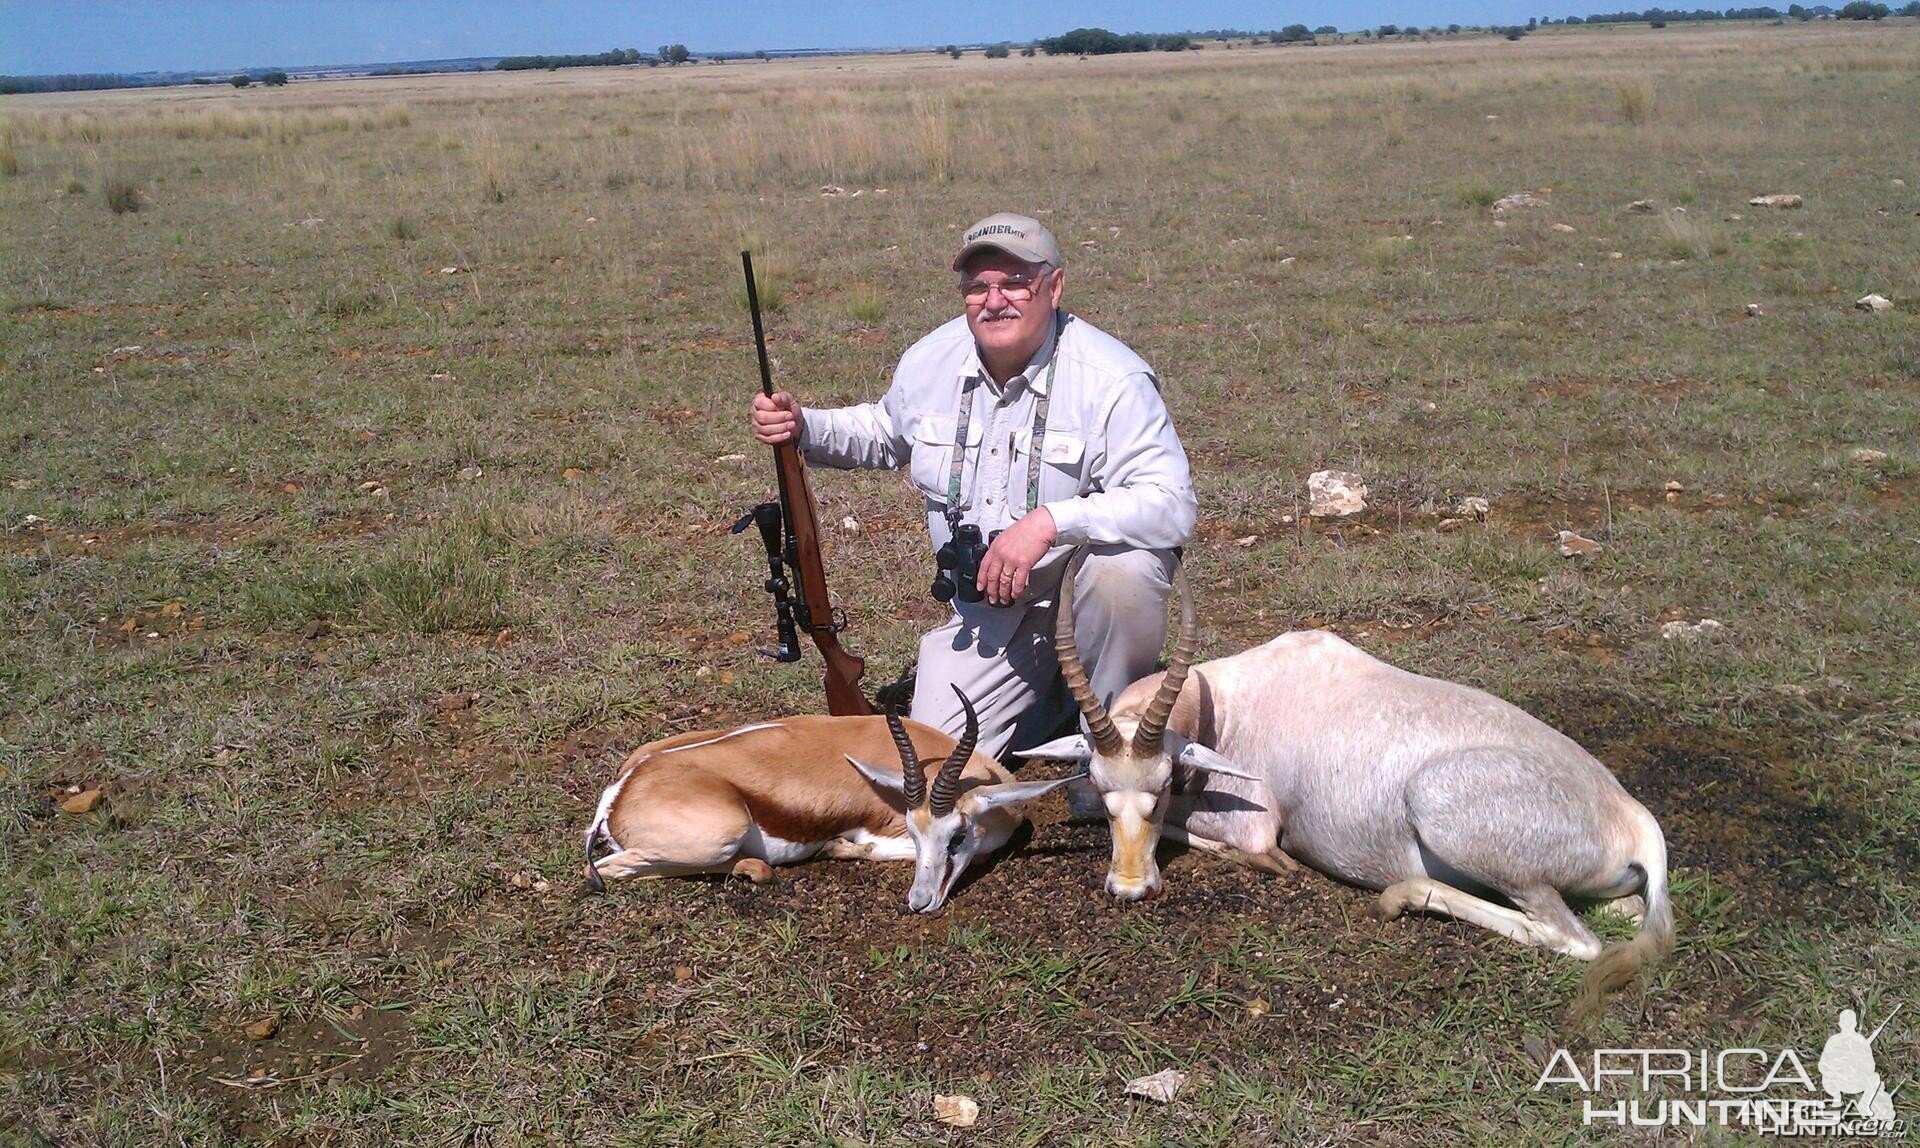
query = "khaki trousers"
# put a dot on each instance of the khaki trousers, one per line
(1003, 657)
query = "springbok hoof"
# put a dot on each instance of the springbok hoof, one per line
(1386, 907)
(753, 869)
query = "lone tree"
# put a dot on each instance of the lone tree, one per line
(274, 79)
(241, 80)
(674, 54)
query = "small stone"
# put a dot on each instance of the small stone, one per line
(1755, 310)
(1641, 207)
(1734, 217)
(1429, 407)
(1335, 493)
(956, 1111)
(368, 486)
(1258, 1006)
(1248, 540)
(452, 703)
(1564, 228)
(1615, 255)
(469, 473)
(731, 458)
(520, 881)
(1776, 200)
(82, 802)
(1899, 182)
(1690, 631)
(1866, 455)
(262, 1029)
(682, 973)
(23, 484)
(1674, 487)
(1517, 200)
(1472, 507)
(1160, 1088)
(542, 886)
(1288, 261)
(573, 474)
(1573, 545)
(1449, 525)
(850, 524)
(1873, 303)
(315, 629)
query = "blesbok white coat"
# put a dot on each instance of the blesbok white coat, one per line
(1444, 798)
(779, 792)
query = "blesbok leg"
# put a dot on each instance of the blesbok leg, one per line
(1544, 919)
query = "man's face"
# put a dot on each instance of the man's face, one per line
(1007, 330)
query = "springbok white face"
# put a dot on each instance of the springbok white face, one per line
(949, 829)
(1129, 755)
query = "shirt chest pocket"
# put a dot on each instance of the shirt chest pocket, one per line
(1063, 463)
(932, 461)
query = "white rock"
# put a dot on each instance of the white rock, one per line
(1776, 201)
(1690, 631)
(1288, 261)
(1249, 540)
(1573, 545)
(32, 520)
(1641, 206)
(850, 524)
(1335, 494)
(731, 458)
(1471, 507)
(1674, 486)
(956, 1111)
(1866, 455)
(1564, 228)
(1755, 310)
(368, 486)
(1160, 1088)
(1616, 255)
(470, 473)
(1517, 200)
(1873, 303)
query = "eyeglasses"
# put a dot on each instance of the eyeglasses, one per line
(1015, 288)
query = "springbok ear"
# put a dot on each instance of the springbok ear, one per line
(988, 797)
(887, 779)
(1196, 756)
(1060, 749)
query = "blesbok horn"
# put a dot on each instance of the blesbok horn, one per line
(1106, 739)
(946, 784)
(1153, 724)
(913, 782)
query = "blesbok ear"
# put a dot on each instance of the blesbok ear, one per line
(887, 779)
(1196, 756)
(1060, 749)
(1012, 793)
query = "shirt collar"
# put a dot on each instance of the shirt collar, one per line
(1034, 375)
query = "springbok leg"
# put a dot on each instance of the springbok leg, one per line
(1546, 921)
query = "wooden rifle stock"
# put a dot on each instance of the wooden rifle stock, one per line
(812, 609)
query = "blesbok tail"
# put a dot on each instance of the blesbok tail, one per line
(1618, 963)
(599, 829)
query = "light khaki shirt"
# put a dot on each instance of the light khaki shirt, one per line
(1112, 471)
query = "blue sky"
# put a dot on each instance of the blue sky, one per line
(49, 36)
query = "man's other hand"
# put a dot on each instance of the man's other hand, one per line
(1004, 571)
(777, 418)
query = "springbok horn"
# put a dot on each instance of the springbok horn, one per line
(913, 781)
(946, 783)
(1106, 739)
(1153, 724)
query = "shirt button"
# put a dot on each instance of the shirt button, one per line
(989, 500)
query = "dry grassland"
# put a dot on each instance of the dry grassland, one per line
(367, 450)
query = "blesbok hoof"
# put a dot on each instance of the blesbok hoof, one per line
(753, 869)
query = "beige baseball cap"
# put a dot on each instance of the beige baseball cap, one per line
(1018, 235)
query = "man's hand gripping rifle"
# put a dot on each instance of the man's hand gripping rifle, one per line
(790, 529)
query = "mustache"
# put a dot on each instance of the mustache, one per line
(1007, 312)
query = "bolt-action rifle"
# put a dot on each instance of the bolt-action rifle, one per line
(790, 529)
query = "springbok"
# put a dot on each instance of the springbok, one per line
(1440, 796)
(779, 792)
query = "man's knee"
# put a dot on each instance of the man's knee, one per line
(1121, 581)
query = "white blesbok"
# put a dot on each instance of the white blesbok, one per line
(779, 792)
(1442, 797)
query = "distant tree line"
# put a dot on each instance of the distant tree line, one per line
(609, 58)
(1100, 42)
(71, 82)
